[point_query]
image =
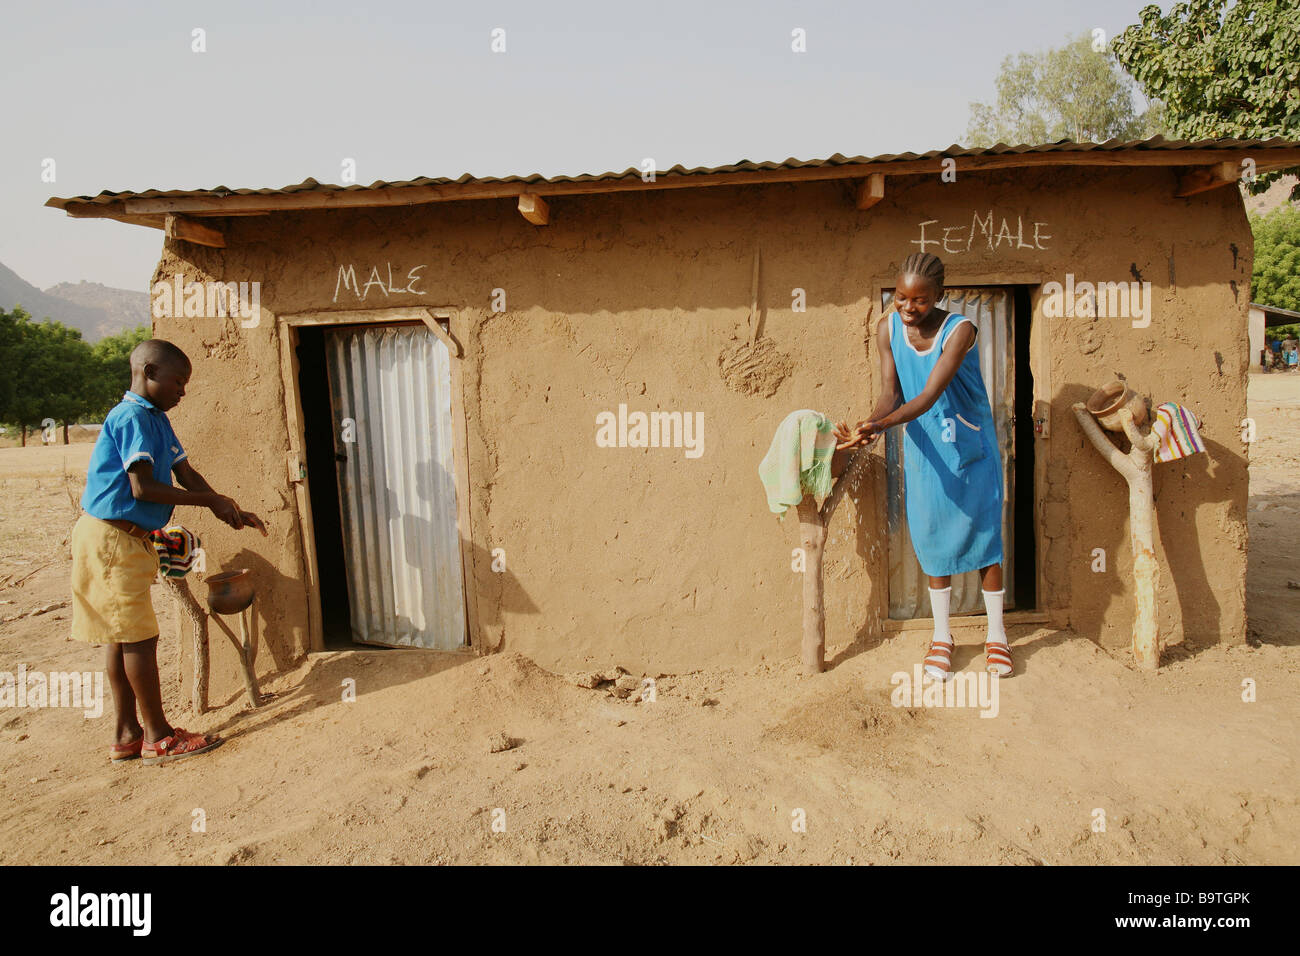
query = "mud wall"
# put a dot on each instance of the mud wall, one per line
(661, 561)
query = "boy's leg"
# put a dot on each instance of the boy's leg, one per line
(128, 729)
(141, 665)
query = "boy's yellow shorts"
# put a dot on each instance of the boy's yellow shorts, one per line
(111, 576)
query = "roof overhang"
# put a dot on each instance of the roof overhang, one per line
(1202, 166)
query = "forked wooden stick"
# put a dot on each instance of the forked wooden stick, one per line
(1135, 467)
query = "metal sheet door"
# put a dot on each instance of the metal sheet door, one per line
(909, 594)
(390, 389)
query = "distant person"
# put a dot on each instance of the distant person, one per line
(1292, 360)
(128, 494)
(1263, 358)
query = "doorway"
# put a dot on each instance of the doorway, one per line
(1002, 314)
(379, 452)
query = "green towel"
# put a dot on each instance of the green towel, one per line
(799, 460)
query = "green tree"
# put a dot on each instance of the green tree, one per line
(1220, 72)
(113, 370)
(10, 356)
(1275, 279)
(1074, 93)
(51, 371)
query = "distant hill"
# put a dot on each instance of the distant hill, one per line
(1277, 195)
(97, 310)
(123, 309)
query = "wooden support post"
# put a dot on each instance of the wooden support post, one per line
(813, 522)
(1135, 467)
(248, 655)
(189, 608)
(812, 538)
(191, 230)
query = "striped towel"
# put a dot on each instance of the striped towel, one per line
(798, 461)
(1177, 430)
(177, 549)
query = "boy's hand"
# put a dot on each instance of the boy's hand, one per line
(253, 521)
(226, 509)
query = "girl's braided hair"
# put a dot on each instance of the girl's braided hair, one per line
(926, 265)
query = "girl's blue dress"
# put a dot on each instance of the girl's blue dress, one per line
(952, 467)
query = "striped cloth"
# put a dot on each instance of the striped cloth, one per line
(1176, 428)
(177, 549)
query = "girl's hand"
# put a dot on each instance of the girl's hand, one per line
(868, 432)
(846, 438)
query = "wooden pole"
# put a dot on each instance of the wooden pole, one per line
(190, 608)
(246, 650)
(1135, 467)
(813, 522)
(812, 538)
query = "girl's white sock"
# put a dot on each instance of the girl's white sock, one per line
(940, 604)
(993, 607)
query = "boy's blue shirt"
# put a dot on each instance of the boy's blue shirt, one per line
(135, 430)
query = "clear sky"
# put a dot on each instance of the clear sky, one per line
(114, 94)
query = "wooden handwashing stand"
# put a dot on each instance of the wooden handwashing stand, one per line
(1136, 470)
(245, 648)
(813, 522)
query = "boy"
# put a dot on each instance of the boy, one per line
(128, 494)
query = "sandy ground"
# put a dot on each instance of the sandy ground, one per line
(720, 767)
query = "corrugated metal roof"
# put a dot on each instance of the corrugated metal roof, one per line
(1157, 143)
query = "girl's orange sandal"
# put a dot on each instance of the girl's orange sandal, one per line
(997, 659)
(180, 744)
(119, 752)
(939, 658)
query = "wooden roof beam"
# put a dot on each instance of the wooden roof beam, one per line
(871, 191)
(191, 230)
(1204, 178)
(534, 208)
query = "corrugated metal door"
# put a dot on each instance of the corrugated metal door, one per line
(909, 594)
(390, 389)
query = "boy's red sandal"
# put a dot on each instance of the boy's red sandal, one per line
(119, 752)
(180, 744)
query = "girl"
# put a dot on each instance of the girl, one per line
(952, 467)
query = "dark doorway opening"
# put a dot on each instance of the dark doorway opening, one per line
(1024, 543)
(322, 482)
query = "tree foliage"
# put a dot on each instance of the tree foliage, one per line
(49, 372)
(1220, 72)
(1275, 279)
(1073, 93)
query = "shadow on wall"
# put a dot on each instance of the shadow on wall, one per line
(271, 588)
(499, 593)
(1101, 492)
(1202, 624)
